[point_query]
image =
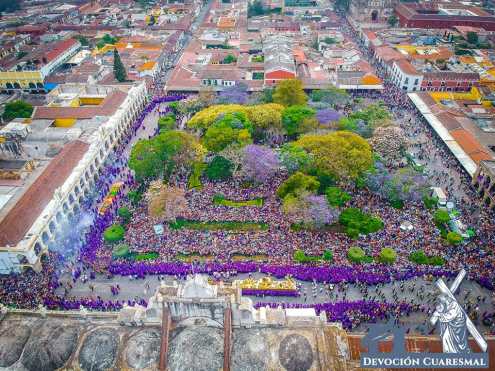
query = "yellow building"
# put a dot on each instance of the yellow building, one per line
(16, 80)
(51, 57)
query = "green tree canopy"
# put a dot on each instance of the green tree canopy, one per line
(290, 93)
(393, 20)
(164, 154)
(331, 96)
(293, 119)
(441, 217)
(454, 238)
(8, 6)
(294, 158)
(342, 5)
(82, 39)
(125, 214)
(230, 58)
(230, 128)
(114, 233)
(356, 222)
(325, 178)
(472, 37)
(255, 8)
(298, 183)
(345, 154)
(387, 256)
(328, 255)
(373, 115)
(267, 95)
(219, 169)
(147, 159)
(17, 109)
(337, 197)
(261, 116)
(356, 254)
(166, 122)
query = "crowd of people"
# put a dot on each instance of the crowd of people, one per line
(277, 244)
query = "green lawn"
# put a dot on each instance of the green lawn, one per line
(219, 225)
(195, 177)
(222, 201)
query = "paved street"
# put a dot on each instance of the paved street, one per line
(419, 290)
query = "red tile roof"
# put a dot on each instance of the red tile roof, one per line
(27, 209)
(370, 35)
(107, 108)
(470, 145)
(406, 67)
(58, 48)
(388, 54)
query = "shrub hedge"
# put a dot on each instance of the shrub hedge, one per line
(234, 226)
(301, 257)
(114, 233)
(219, 199)
(125, 214)
(337, 197)
(356, 254)
(454, 238)
(419, 257)
(194, 180)
(356, 222)
(387, 256)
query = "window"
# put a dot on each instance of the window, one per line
(416, 82)
(406, 81)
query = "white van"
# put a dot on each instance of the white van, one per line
(440, 194)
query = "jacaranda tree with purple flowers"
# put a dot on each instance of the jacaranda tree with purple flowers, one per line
(236, 94)
(401, 186)
(327, 116)
(260, 163)
(320, 212)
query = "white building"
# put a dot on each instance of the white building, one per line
(30, 224)
(405, 76)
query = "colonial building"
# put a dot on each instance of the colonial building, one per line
(443, 15)
(371, 10)
(279, 59)
(189, 325)
(29, 72)
(484, 181)
(405, 76)
(33, 208)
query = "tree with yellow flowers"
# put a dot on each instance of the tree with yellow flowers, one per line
(290, 93)
(342, 153)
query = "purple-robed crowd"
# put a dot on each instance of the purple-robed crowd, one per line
(370, 275)
(352, 313)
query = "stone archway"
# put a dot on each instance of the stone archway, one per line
(374, 15)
